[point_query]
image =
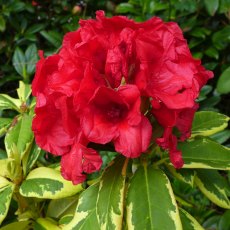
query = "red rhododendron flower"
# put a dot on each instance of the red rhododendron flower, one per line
(106, 77)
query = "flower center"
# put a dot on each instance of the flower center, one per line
(115, 112)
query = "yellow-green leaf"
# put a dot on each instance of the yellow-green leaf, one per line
(150, 201)
(207, 123)
(20, 136)
(46, 223)
(214, 186)
(47, 183)
(23, 91)
(7, 102)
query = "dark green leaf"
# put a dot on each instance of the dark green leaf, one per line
(31, 56)
(224, 223)
(2, 24)
(211, 6)
(223, 84)
(53, 37)
(19, 62)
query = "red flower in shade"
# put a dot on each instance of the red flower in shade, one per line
(78, 161)
(114, 115)
(107, 75)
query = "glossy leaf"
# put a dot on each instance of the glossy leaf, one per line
(207, 123)
(6, 193)
(188, 221)
(222, 136)
(224, 222)
(214, 186)
(48, 183)
(110, 201)
(223, 84)
(85, 217)
(150, 201)
(31, 56)
(20, 137)
(19, 62)
(53, 37)
(211, 6)
(205, 153)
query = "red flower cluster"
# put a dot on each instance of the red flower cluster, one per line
(106, 77)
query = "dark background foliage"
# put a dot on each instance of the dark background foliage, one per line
(28, 26)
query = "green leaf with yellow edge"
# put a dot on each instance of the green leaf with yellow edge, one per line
(205, 153)
(188, 221)
(150, 201)
(4, 166)
(85, 217)
(110, 201)
(7, 102)
(46, 224)
(184, 175)
(207, 123)
(214, 187)
(6, 193)
(4, 125)
(20, 136)
(47, 183)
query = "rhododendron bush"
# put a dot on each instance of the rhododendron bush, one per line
(116, 106)
(108, 81)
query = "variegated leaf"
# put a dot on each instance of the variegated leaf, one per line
(188, 221)
(85, 217)
(207, 123)
(47, 183)
(185, 175)
(205, 153)
(6, 192)
(214, 186)
(4, 125)
(150, 201)
(110, 201)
